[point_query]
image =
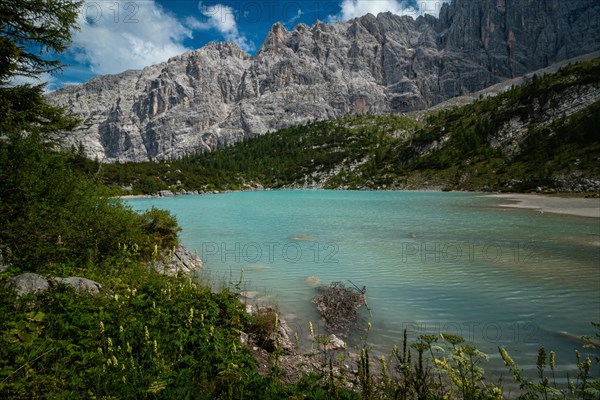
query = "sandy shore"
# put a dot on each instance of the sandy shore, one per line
(135, 196)
(557, 205)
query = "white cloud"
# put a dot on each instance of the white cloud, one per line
(357, 8)
(221, 18)
(52, 83)
(289, 24)
(120, 35)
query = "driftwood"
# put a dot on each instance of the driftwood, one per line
(338, 305)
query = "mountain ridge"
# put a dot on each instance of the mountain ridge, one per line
(218, 95)
(539, 136)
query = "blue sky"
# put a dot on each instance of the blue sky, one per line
(116, 35)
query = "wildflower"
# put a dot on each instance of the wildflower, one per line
(100, 350)
(155, 346)
(571, 386)
(541, 360)
(310, 328)
(146, 333)
(508, 361)
(587, 364)
(497, 393)
(121, 329)
(369, 326)
(114, 361)
(552, 360)
(101, 328)
(129, 349)
(276, 320)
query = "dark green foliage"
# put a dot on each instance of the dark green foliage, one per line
(161, 228)
(156, 337)
(53, 210)
(54, 214)
(29, 29)
(289, 156)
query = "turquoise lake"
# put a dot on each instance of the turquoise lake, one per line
(432, 262)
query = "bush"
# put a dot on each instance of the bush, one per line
(54, 214)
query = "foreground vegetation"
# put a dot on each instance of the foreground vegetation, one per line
(518, 141)
(151, 336)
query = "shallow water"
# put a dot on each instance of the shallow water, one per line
(432, 262)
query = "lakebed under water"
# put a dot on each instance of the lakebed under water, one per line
(432, 262)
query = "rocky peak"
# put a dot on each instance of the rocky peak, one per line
(275, 40)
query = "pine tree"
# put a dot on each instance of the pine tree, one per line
(32, 34)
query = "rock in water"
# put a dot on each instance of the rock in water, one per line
(218, 94)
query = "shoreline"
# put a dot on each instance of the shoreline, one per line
(575, 206)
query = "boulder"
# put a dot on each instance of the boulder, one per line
(165, 193)
(182, 260)
(28, 283)
(82, 285)
(334, 343)
(280, 339)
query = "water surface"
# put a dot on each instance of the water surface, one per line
(432, 262)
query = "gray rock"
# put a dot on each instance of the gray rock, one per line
(218, 95)
(279, 340)
(335, 343)
(165, 193)
(182, 260)
(82, 285)
(28, 283)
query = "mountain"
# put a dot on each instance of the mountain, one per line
(218, 94)
(541, 135)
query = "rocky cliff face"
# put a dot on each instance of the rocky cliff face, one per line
(218, 94)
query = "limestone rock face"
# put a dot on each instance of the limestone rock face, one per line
(218, 94)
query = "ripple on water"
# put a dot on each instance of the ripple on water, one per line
(547, 266)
